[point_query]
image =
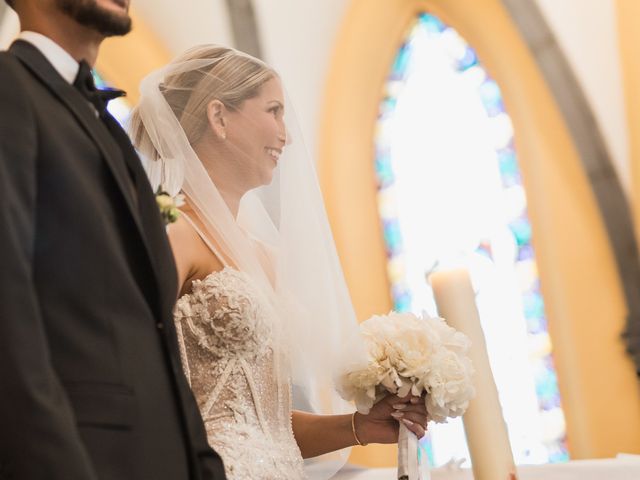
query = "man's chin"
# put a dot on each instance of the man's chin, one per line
(107, 17)
(120, 25)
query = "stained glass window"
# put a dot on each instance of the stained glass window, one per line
(449, 190)
(119, 107)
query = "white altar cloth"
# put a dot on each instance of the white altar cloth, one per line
(623, 468)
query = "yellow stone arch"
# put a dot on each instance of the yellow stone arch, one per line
(583, 296)
(628, 23)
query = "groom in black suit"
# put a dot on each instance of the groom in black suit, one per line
(91, 386)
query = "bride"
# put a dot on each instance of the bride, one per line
(263, 315)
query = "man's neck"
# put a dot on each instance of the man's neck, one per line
(80, 42)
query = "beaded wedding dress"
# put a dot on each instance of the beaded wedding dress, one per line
(226, 344)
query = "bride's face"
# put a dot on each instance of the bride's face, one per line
(258, 134)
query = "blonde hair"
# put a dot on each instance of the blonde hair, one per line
(232, 77)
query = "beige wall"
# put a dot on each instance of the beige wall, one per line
(587, 31)
(179, 25)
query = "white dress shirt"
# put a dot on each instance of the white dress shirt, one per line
(61, 60)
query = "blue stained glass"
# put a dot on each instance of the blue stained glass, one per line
(493, 109)
(119, 108)
(533, 305)
(521, 230)
(490, 92)
(547, 391)
(525, 252)
(548, 363)
(98, 81)
(536, 325)
(431, 24)
(402, 60)
(511, 180)
(468, 60)
(392, 235)
(388, 105)
(402, 300)
(508, 163)
(384, 171)
(426, 448)
(382, 150)
(491, 97)
(557, 454)
(558, 457)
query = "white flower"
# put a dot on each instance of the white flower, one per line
(168, 206)
(413, 354)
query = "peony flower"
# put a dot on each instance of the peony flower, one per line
(411, 354)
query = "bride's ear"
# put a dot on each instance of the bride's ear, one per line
(217, 117)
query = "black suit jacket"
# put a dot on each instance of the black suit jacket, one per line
(91, 386)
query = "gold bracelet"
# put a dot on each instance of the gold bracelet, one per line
(353, 429)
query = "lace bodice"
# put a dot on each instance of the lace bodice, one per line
(226, 335)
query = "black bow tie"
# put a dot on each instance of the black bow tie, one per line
(98, 98)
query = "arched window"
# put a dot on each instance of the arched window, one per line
(449, 190)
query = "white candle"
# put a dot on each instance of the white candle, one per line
(484, 425)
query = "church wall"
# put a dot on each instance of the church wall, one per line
(587, 32)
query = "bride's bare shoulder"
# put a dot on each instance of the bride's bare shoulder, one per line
(194, 257)
(181, 234)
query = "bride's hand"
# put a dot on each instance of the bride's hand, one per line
(382, 423)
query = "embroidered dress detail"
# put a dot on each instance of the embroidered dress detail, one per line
(226, 342)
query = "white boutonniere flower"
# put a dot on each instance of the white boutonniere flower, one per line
(168, 206)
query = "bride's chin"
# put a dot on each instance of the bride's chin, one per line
(268, 178)
(262, 182)
(266, 183)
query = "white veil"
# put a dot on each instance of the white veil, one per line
(286, 218)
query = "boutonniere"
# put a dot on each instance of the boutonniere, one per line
(168, 206)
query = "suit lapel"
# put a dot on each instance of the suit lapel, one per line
(80, 108)
(97, 131)
(156, 238)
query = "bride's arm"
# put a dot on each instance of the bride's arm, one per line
(318, 434)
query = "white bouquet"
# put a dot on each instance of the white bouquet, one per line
(410, 354)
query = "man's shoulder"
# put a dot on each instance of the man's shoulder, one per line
(11, 70)
(14, 88)
(9, 59)
(6, 55)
